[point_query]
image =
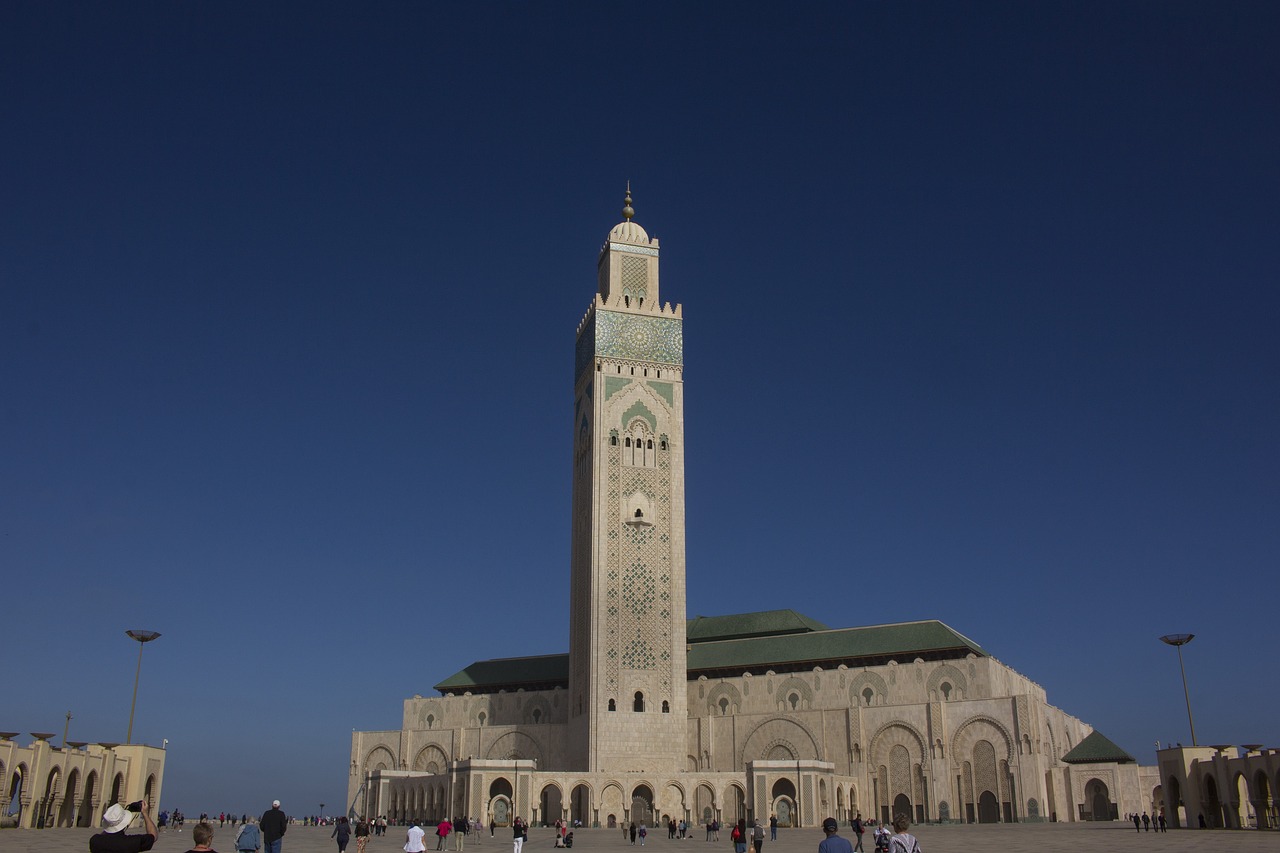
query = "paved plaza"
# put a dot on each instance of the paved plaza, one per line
(1116, 837)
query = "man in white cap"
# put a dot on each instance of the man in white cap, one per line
(114, 839)
(273, 825)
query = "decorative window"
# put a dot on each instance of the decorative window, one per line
(613, 706)
(868, 694)
(481, 718)
(946, 690)
(666, 707)
(638, 705)
(724, 706)
(430, 720)
(613, 440)
(537, 715)
(793, 700)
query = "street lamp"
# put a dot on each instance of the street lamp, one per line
(143, 637)
(1178, 641)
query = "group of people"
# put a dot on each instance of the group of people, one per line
(262, 836)
(459, 829)
(1145, 821)
(899, 841)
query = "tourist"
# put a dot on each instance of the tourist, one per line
(460, 833)
(1137, 823)
(833, 843)
(248, 839)
(739, 838)
(202, 835)
(273, 824)
(773, 827)
(1162, 822)
(882, 838)
(757, 836)
(413, 840)
(644, 833)
(903, 841)
(519, 834)
(342, 832)
(114, 839)
(633, 833)
(362, 834)
(443, 828)
(858, 828)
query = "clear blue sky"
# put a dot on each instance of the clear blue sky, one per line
(980, 322)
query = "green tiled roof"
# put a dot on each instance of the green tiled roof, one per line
(1097, 748)
(798, 643)
(701, 629)
(535, 673)
(904, 642)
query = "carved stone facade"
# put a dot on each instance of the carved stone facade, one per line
(650, 717)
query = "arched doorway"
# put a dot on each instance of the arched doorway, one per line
(901, 806)
(551, 809)
(1098, 798)
(16, 785)
(704, 802)
(45, 816)
(85, 816)
(988, 808)
(735, 806)
(1176, 813)
(117, 788)
(580, 805)
(500, 801)
(784, 802)
(1262, 805)
(1212, 804)
(67, 814)
(642, 805)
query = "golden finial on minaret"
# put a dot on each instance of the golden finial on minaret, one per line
(628, 211)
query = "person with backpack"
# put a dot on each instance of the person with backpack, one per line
(738, 838)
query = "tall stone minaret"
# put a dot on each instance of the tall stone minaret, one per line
(627, 695)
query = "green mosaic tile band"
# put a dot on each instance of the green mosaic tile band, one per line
(630, 337)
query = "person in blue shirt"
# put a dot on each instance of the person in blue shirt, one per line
(833, 843)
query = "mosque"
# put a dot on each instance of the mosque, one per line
(652, 716)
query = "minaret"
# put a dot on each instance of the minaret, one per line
(627, 694)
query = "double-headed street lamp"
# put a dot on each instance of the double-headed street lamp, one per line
(143, 637)
(1178, 641)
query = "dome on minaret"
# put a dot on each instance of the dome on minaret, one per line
(629, 232)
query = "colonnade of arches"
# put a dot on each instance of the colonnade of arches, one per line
(1247, 802)
(73, 801)
(614, 804)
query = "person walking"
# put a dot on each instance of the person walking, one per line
(413, 840)
(443, 828)
(757, 836)
(342, 832)
(833, 843)
(362, 834)
(773, 827)
(858, 828)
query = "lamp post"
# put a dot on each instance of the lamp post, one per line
(1178, 641)
(143, 637)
